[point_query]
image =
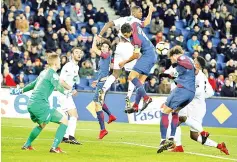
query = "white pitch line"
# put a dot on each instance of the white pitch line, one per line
(135, 144)
(118, 131)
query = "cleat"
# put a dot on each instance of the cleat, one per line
(56, 150)
(165, 145)
(65, 140)
(27, 148)
(177, 149)
(204, 135)
(128, 103)
(146, 103)
(131, 110)
(73, 140)
(222, 147)
(101, 97)
(103, 133)
(111, 119)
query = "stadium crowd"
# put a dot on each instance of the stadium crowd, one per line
(205, 28)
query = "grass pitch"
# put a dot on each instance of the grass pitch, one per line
(125, 143)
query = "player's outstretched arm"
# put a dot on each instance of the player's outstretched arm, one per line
(55, 81)
(133, 57)
(28, 87)
(147, 21)
(94, 46)
(105, 28)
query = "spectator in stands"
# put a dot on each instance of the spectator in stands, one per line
(38, 66)
(49, 32)
(26, 57)
(68, 24)
(52, 42)
(212, 68)
(60, 20)
(34, 54)
(84, 34)
(227, 90)
(172, 34)
(212, 81)
(224, 12)
(204, 42)
(124, 8)
(206, 14)
(223, 46)
(17, 67)
(176, 11)
(152, 86)
(169, 18)
(65, 45)
(77, 13)
(36, 34)
(179, 40)
(219, 84)
(164, 87)
(37, 4)
(218, 22)
(86, 71)
(21, 79)
(90, 24)
(90, 12)
(94, 31)
(193, 43)
(230, 68)
(9, 23)
(193, 21)
(210, 50)
(51, 22)
(51, 5)
(195, 54)
(227, 31)
(8, 78)
(207, 27)
(28, 14)
(157, 25)
(231, 52)
(94, 60)
(22, 23)
(40, 18)
(231, 78)
(88, 44)
(17, 40)
(196, 31)
(186, 15)
(101, 16)
(109, 35)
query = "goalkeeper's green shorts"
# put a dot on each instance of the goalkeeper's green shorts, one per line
(42, 114)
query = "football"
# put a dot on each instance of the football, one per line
(162, 48)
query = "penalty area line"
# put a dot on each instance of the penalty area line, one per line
(135, 144)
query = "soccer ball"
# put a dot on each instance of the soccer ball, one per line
(162, 48)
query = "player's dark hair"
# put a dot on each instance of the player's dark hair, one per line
(106, 41)
(201, 61)
(126, 28)
(176, 50)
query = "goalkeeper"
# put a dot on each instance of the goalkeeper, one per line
(38, 105)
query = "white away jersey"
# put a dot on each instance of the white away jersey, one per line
(203, 87)
(128, 19)
(69, 73)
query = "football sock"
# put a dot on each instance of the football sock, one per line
(208, 142)
(194, 124)
(59, 135)
(177, 136)
(131, 88)
(140, 88)
(72, 125)
(174, 123)
(137, 97)
(109, 81)
(106, 109)
(164, 123)
(34, 133)
(100, 117)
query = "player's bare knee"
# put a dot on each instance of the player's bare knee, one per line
(42, 126)
(166, 110)
(116, 73)
(182, 119)
(73, 113)
(64, 120)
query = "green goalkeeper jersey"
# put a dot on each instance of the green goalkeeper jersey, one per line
(43, 86)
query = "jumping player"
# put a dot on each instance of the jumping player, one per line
(104, 64)
(69, 77)
(38, 105)
(143, 65)
(181, 96)
(194, 112)
(123, 50)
